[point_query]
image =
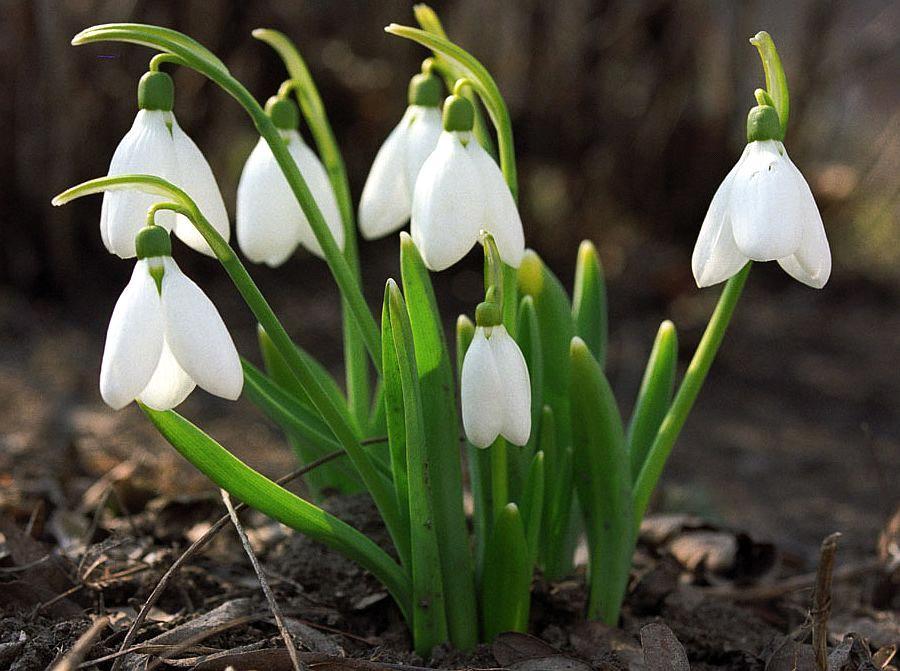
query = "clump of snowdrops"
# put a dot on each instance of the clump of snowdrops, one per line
(540, 421)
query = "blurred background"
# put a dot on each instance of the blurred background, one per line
(627, 115)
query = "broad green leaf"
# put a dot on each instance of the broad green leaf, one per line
(529, 340)
(506, 589)
(257, 491)
(589, 301)
(554, 315)
(396, 425)
(533, 506)
(429, 615)
(654, 396)
(436, 386)
(603, 480)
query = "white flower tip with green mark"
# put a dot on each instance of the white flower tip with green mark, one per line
(269, 221)
(156, 145)
(163, 341)
(386, 201)
(495, 389)
(763, 211)
(460, 191)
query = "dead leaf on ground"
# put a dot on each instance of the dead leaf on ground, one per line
(523, 652)
(662, 650)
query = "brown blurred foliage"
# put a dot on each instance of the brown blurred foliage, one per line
(627, 114)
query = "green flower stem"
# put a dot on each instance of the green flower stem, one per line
(199, 58)
(687, 394)
(776, 80)
(499, 476)
(159, 59)
(257, 491)
(482, 82)
(357, 370)
(378, 486)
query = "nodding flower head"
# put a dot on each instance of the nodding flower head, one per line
(270, 222)
(165, 336)
(386, 201)
(459, 192)
(157, 146)
(763, 211)
(495, 387)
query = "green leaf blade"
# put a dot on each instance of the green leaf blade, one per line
(589, 301)
(506, 591)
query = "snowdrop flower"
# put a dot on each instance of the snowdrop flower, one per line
(165, 336)
(156, 145)
(386, 201)
(270, 222)
(495, 387)
(763, 211)
(460, 191)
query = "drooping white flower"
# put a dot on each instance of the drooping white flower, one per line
(386, 202)
(156, 145)
(459, 192)
(164, 339)
(495, 389)
(763, 211)
(270, 222)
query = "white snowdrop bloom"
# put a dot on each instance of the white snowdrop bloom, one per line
(269, 221)
(763, 211)
(495, 389)
(459, 192)
(165, 336)
(156, 145)
(386, 202)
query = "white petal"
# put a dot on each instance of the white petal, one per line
(502, 220)
(316, 179)
(268, 216)
(169, 386)
(196, 178)
(716, 256)
(448, 204)
(424, 131)
(811, 263)
(386, 198)
(198, 336)
(516, 385)
(134, 340)
(481, 393)
(146, 149)
(764, 203)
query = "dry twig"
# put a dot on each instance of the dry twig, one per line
(821, 608)
(82, 646)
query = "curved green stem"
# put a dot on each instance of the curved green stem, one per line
(482, 82)
(197, 57)
(159, 59)
(301, 82)
(377, 485)
(687, 394)
(776, 80)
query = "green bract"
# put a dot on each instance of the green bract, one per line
(397, 427)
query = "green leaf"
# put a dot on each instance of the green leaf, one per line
(554, 316)
(506, 590)
(442, 428)
(589, 301)
(528, 338)
(257, 491)
(654, 396)
(533, 506)
(429, 615)
(396, 425)
(603, 481)
(776, 80)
